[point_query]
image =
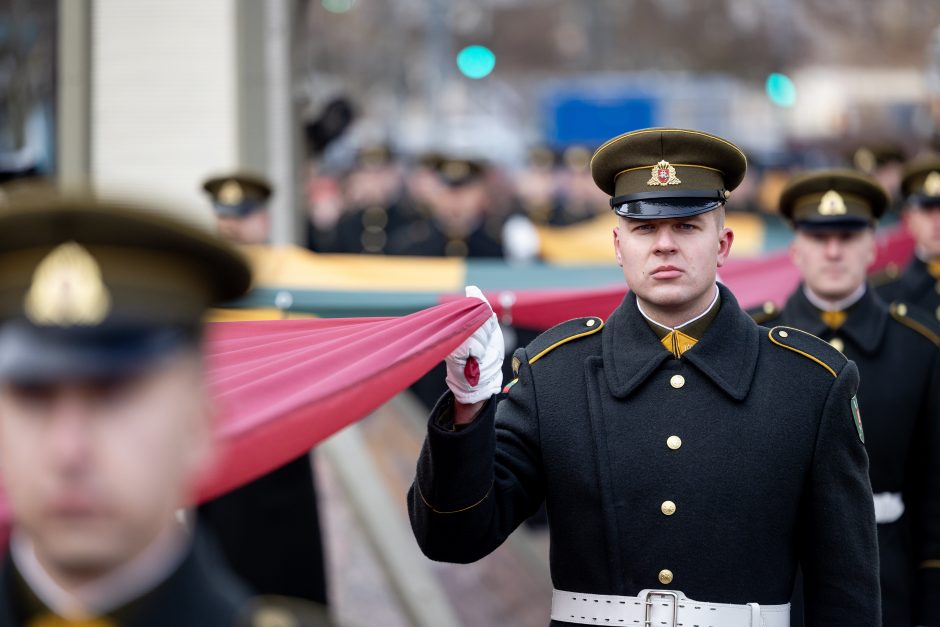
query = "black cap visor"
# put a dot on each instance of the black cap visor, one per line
(239, 210)
(30, 354)
(842, 223)
(666, 208)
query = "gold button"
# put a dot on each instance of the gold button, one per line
(668, 508)
(590, 323)
(784, 334)
(674, 442)
(837, 344)
(677, 381)
(938, 313)
(902, 309)
(769, 307)
(665, 576)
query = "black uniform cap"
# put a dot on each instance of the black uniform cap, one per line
(833, 199)
(920, 180)
(667, 173)
(96, 288)
(238, 194)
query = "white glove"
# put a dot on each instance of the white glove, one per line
(475, 368)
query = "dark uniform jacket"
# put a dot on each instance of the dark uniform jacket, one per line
(767, 469)
(195, 595)
(426, 239)
(915, 286)
(899, 397)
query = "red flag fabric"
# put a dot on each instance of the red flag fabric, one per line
(283, 386)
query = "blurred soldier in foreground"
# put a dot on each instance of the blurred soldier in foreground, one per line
(682, 451)
(269, 529)
(919, 283)
(834, 213)
(104, 414)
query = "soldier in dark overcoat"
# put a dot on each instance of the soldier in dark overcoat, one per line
(683, 452)
(834, 213)
(918, 284)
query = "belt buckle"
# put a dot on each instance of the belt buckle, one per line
(648, 619)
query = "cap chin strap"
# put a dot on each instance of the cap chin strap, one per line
(709, 194)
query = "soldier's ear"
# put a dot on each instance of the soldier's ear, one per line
(617, 246)
(725, 239)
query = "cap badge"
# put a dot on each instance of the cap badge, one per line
(456, 170)
(932, 184)
(832, 204)
(663, 174)
(231, 193)
(865, 160)
(67, 289)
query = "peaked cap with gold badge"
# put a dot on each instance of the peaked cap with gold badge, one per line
(238, 194)
(94, 288)
(920, 180)
(667, 173)
(833, 199)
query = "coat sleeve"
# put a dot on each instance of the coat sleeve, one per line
(839, 549)
(475, 485)
(926, 512)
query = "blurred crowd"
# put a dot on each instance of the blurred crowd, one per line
(448, 204)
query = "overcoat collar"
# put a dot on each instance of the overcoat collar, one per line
(726, 353)
(864, 326)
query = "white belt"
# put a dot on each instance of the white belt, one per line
(662, 608)
(889, 507)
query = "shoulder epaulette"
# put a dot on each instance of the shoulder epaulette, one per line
(809, 346)
(916, 319)
(887, 275)
(765, 312)
(558, 335)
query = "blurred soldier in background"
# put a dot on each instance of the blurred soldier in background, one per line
(919, 283)
(375, 203)
(581, 200)
(240, 205)
(105, 418)
(834, 213)
(460, 221)
(269, 529)
(883, 161)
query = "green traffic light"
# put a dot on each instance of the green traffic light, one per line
(476, 61)
(781, 90)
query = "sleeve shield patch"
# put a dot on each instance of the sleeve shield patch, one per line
(857, 417)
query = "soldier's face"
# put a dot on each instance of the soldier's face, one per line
(833, 263)
(96, 470)
(671, 264)
(924, 225)
(250, 229)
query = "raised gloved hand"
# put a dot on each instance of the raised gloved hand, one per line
(475, 368)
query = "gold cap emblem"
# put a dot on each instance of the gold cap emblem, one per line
(865, 160)
(932, 184)
(67, 289)
(832, 204)
(231, 193)
(663, 174)
(456, 170)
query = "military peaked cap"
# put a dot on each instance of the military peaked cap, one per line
(238, 194)
(92, 287)
(920, 180)
(837, 198)
(667, 172)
